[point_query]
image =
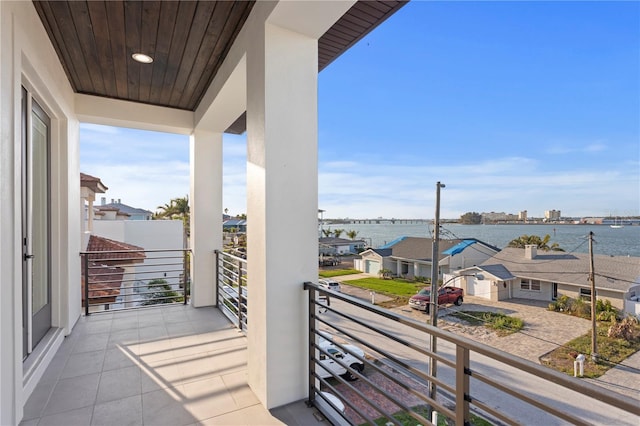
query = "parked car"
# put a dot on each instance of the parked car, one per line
(335, 401)
(327, 365)
(421, 300)
(328, 261)
(329, 284)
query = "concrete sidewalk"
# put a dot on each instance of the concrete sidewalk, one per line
(360, 293)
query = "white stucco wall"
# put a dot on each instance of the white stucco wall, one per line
(150, 235)
(27, 58)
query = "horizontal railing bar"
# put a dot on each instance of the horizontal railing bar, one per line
(614, 399)
(526, 398)
(351, 371)
(131, 280)
(134, 301)
(391, 357)
(497, 414)
(179, 293)
(136, 251)
(94, 283)
(384, 333)
(228, 255)
(346, 400)
(359, 393)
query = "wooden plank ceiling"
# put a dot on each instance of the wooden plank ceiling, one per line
(188, 41)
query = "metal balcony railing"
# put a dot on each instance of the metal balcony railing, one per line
(129, 279)
(393, 384)
(231, 280)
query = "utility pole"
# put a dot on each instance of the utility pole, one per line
(592, 278)
(433, 304)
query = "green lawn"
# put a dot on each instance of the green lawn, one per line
(337, 272)
(396, 287)
(611, 351)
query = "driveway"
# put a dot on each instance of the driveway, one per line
(543, 330)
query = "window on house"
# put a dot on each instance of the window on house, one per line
(585, 293)
(530, 285)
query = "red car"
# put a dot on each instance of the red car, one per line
(445, 295)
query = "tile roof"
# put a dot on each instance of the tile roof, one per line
(124, 208)
(612, 272)
(129, 253)
(93, 183)
(104, 283)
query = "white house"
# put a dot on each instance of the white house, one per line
(242, 66)
(530, 274)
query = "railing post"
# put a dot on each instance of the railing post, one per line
(85, 265)
(217, 279)
(312, 336)
(185, 278)
(240, 294)
(462, 386)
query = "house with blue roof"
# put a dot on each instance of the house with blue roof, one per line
(412, 257)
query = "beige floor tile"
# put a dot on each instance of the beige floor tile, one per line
(76, 392)
(208, 398)
(254, 415)
(121, 412)
(83, 363)
(92, 342)
(165, 407)
(118, 384)
(119, 357)
(78, 417)
(237, 386)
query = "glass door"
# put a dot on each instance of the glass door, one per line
(35, 223)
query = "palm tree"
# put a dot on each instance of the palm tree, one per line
(352, 234)
(338, 232)
(178, 208)
(541, 243)
(327, 232)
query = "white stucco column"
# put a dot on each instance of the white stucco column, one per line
(205, 203)
(282, 209)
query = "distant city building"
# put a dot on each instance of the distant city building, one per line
(522, 215)
(498, 217)
(552, 215)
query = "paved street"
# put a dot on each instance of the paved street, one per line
(544, 331)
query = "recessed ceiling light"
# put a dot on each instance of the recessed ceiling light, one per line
(142, 58)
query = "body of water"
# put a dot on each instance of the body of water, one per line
(572, 238)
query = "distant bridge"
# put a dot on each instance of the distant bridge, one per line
(381, 221)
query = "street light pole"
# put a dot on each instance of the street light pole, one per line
(433, 304)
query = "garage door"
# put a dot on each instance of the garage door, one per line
(481, 288)
(372, 267)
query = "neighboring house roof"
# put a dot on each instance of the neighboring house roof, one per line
(93, 183)
(418, 248)
(124, 209)
(392, 243)
(382, 252)
(498, 271)
(105, 283)
(104, 277)
(459, 248)
(134, 253)
(612, 272)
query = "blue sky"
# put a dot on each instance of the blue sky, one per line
(513, 105)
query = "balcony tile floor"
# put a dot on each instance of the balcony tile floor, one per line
(172, 366)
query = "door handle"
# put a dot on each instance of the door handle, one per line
(28, 256)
